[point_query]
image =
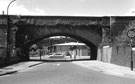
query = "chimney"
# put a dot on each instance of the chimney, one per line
(2, 12)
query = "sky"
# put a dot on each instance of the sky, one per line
(69, 7)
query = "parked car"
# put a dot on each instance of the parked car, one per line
(56, 55)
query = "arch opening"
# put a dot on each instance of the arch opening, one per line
(41, 50)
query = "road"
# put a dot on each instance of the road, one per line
(62, 73)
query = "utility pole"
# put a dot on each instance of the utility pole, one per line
(110, 31)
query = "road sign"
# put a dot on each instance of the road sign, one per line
(131, 33)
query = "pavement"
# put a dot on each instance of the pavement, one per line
(18, 67)
(102, 67)
(108, 68)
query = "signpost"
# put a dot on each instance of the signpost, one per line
(131, 35)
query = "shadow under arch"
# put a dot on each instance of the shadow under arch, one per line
(92, 47)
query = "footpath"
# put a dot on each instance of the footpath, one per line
(107, 68)
(18, 67)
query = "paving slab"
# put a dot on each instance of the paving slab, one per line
(107, 68)
(18, 67)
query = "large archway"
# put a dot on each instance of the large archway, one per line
(27, 35)
(92, 47)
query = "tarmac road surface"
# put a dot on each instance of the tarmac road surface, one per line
(62, 73)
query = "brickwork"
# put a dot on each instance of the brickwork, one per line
(94, 31)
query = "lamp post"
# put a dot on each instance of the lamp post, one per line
(110, 31)
(8, 32)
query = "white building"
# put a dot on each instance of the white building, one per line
(80, 49)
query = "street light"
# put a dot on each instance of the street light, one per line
(8, 32)
(9, 5)
(110, 31)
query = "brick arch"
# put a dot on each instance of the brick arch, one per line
(92, 46)
(90, 35)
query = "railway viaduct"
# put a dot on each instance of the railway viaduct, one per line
(28, 30)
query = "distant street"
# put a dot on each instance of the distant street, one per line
(45, 57)
(62, 73)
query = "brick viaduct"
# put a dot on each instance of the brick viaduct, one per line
(93, 31)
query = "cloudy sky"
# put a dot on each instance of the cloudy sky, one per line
(70, 7)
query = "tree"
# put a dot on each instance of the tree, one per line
(122, 39)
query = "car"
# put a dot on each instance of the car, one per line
(56, 55)
(50, 55)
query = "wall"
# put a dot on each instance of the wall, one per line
(120, 55)
(3, 44)
(104, 54)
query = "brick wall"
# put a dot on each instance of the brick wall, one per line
(120, 55)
